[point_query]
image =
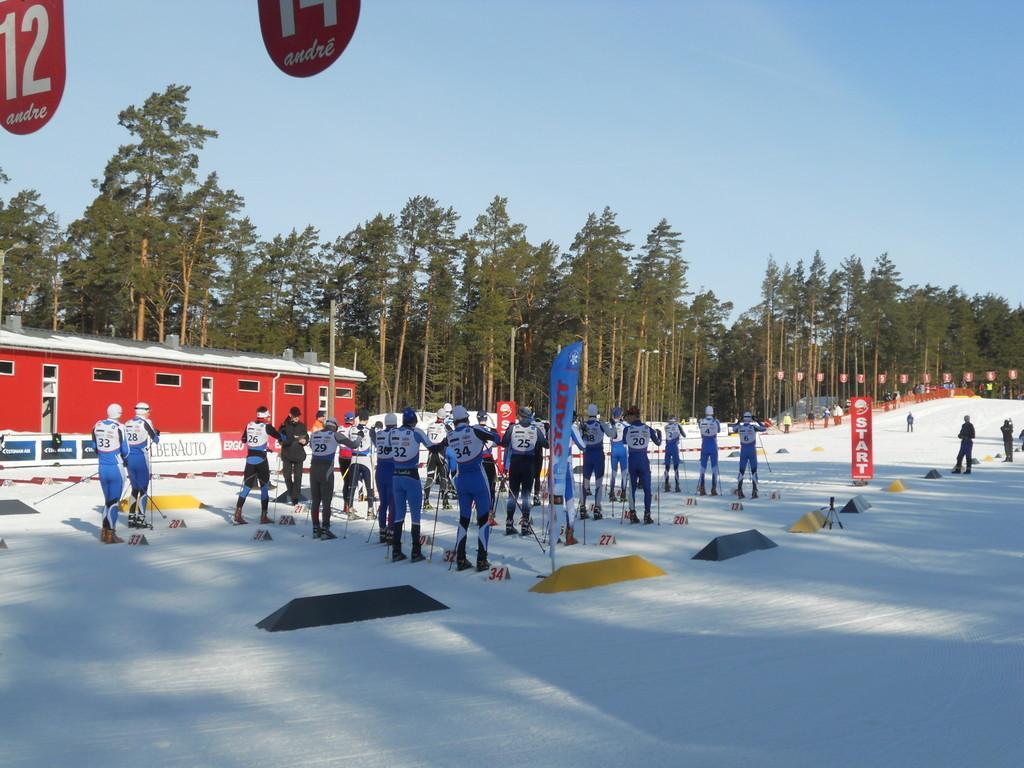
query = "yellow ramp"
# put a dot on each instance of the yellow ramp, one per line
(817, 448)
(597, 573)
(987, 458)
(896, 487)
(168, 502)
(812, 522)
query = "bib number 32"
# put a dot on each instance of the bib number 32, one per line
(32, 63)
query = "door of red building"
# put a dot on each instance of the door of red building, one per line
(49, 418)
(206, 404)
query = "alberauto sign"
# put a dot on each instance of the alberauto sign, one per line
(862, 455)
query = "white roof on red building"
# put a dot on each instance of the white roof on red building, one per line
(126, 349)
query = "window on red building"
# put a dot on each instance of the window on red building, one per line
(248, 385)
(111, 375)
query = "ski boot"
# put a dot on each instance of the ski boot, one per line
(631, 516)
(325, 533)
(956, 470)
(570, 538)
(739, 492)
(384, 538)
(238, 519)
(417, 553)
(396, 544)
(427, 504)
(647, 518)
(753, 492)
(105, 536)
(317, 531)
(536, 500)
(265, 518)
(445, 503)
(700, 489)
(114, 538)
(597, 512)
(583, 512)
(525, 529)
(714, 489)
(482, 565)
(667, 487)
(462, 564)
(510, 527)
(678, 489)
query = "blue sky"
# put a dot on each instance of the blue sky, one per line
(754, 127)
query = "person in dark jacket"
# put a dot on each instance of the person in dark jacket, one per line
(966, 446)
(1007, 430)
(293, 454)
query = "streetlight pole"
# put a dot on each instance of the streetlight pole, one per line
(647, 377)
(512, 362)
(330, 384)
(3, 258)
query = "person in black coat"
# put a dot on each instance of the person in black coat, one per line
(1007, 430)
(966, 446)
(293, 453)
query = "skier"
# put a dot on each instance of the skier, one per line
(538, 465)
(1007, 430)
(467, 445)
(637, 437)
(747, 429)
(520, 442)
(437, 472)
(787, 422)
(360, 471)
(709, 429)
(111, 442)
(593, 432)
(673, 431)
(345, 462)
(618, 455)
(294, 456)
(257, 468)
(140, 433)
(405, 442)
(966, 446)
(1021, 438)
(910, 422)
(324, 443)
(490, 468)
(384, 476)
(569, 496)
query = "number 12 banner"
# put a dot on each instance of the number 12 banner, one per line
(304, 37)
(32, 63)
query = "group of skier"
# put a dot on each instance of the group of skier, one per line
(460, 462)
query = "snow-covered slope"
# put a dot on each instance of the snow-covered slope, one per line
(895, 642)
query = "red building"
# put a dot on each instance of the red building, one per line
(63, 382)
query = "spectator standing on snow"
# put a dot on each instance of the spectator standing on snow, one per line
(910, 422)
(837, 414)
(966, 447)
(787, 422)
(1007, 430)
(293, 456)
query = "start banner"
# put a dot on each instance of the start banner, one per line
(862, 458)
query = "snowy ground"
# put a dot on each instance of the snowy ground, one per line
(898, 641)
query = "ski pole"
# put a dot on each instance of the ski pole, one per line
(66, 488)
(433, 534)
(766, 463)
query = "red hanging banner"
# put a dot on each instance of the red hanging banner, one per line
(304, 37)
(506, 415)
(862, 456)
(32, 63)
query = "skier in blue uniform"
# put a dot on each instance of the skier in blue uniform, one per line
(709, 428)
(112, 451)
(385, 477)
(618, 455)
(324, 444)
(593, 432)
(747, 430)
(638, 436)
(521, 441)
(466, 444)
(568, 492)
(256, 437)
(405, 442)
(490, 467)
(673, 431)
(140, 432)
(437, 469)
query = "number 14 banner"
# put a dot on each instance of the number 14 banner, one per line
(304, 37)
(32, 62)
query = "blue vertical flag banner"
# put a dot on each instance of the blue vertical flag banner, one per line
(565, 375)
